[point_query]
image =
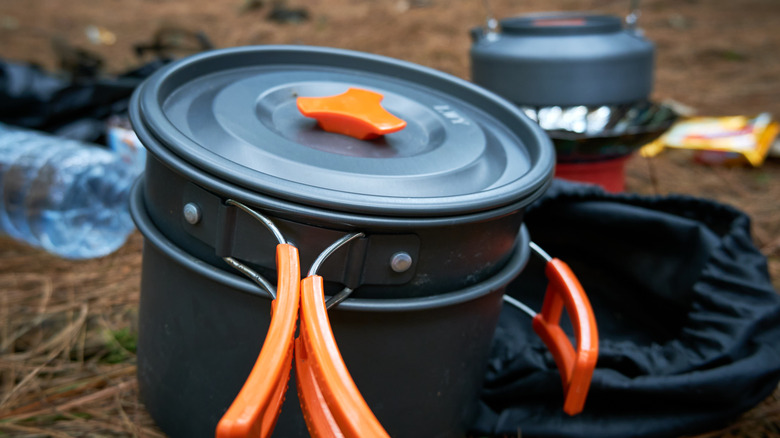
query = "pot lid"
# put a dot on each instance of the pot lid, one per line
(561, 24)
(244, 116)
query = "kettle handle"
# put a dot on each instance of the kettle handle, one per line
(634, 13)
(490, 29)
(491, 24)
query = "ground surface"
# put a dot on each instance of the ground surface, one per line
(67, 328)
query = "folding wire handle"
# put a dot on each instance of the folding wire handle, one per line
(575, 366)
(256, 408)
(331, 403)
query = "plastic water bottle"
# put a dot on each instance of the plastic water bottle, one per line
(67, 197)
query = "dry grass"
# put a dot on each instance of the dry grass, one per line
(67, 341)
(763, 421)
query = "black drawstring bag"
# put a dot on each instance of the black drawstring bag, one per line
(689, 323)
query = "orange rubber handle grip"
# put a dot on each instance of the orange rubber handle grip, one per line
(319, 420)
(576, 367)
(256, 408)
(332, 404)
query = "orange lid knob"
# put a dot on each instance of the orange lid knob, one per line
(356, 112)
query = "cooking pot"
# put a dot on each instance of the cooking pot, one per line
(418, 362)
(428, 177)
(446, 194)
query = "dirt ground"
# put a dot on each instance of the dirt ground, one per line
(66, 328)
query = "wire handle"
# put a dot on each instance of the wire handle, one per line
(576, 367)
(491, 24)
(244, 269)
(632, 19)
(256, 408)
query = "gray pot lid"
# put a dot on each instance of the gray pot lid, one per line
(234, 115)
(561, 24)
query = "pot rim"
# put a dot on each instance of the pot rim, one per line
(330, 218)
(509, 272)
(166, 142)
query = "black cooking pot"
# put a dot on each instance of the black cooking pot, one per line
(440, 202)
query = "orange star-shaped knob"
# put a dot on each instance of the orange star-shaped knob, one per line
(356, 112)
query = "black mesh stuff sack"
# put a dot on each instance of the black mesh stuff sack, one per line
(689, 323)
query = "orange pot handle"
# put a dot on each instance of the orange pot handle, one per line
(576, 367)
(256, 407)
(319, 420)
(330, 399)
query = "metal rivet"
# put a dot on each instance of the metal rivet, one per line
(401, 262)
(192, 213)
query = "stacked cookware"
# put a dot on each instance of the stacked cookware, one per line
(424, 179)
